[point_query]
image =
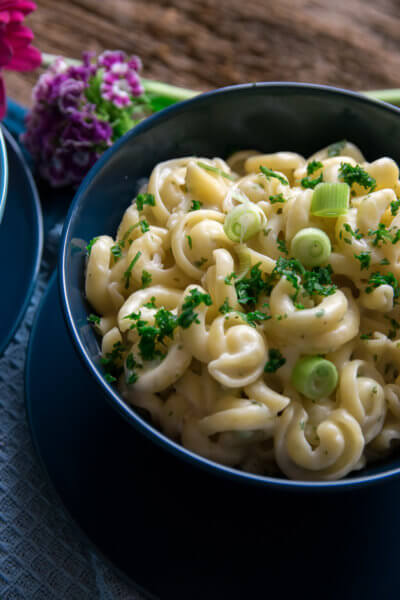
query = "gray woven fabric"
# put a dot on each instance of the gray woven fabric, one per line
(42, 554)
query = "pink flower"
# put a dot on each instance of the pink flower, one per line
(120, 78)
(16, 53)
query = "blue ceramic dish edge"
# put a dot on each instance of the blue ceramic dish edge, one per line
(38, 245)
(3, 175)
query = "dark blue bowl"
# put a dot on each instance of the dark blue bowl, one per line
(265, 116)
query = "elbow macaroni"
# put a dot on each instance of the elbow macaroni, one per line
(186, 346)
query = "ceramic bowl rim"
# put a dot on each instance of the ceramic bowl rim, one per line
(3, 174)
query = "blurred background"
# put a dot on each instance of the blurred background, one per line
(202, 44)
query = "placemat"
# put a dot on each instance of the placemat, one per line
(43, 555)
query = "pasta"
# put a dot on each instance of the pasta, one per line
(250, 308)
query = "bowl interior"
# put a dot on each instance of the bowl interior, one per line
(266, 117)
(3, 174)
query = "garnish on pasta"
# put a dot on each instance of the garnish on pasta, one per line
(356, 174)
(255, 314)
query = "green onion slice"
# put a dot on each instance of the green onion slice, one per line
(330, 200)
(215, 170)
(314, 377)
(244, 221)
(311, 246)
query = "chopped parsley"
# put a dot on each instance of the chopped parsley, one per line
(127, 274)
(150, 335)
(215, 170)
(249, 288)
(365, 259)
(277, 198)
(253, 318)
(133, 377)
(196, 205)
(130, 361)
(270, 173)
(147, 344)
(275, 361)
(383, 235)
(194, 299)
(131, 364)
(384, 261)
(152, 303)
(282, 246)
(90, 245)
(94, 319)
(395, 325)
(366, 336)
(318, 281)
(143, 199)
(166, 323)
(378, 279)
(292, 269)
(309, 183)
(144, 226)
(228, 278)
(256, 316)
(299, 306)
(313, 166)
(112, 362)
(189, 239)
(133, 317)
(396, 237)
(357, 174)
(394, 207)
(225, 308)
(146, 278)
(116, 250)
(336, 148)
(357, 235)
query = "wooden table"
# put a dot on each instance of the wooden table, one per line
(203, 44)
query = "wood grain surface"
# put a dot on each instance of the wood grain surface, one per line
(202, 44)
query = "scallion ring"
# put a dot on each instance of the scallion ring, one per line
(314, 377)
(311, 246)
(330, 200)
(244, 221)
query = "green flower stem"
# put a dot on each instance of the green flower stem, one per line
(152, 87)
(169, 91)
(177, 93)
(390, 96)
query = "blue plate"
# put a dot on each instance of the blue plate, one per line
(21, 241)
(180, 532)
(3, 174)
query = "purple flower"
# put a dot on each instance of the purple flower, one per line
(78, 111)
(120, 77)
